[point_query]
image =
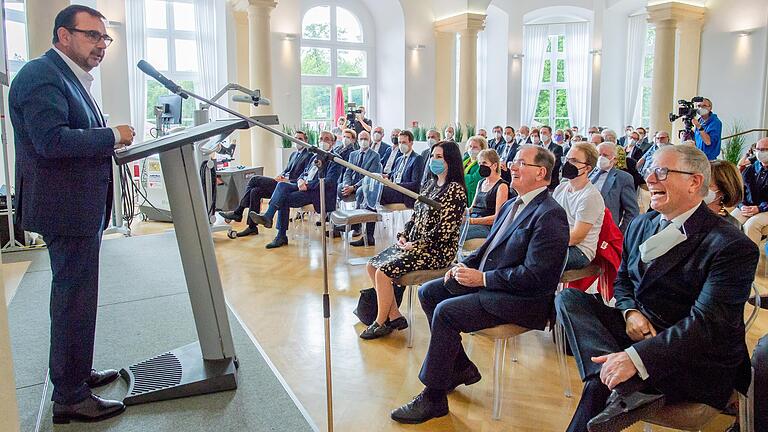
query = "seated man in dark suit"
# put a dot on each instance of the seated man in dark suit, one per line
(616, 186)
(406, 172)
(511, 278)
(305, 191)
(557, 150)
(379, 146)
(364, 158)
(507, 150)
(260, 187)
(677, 331)
(497, 138)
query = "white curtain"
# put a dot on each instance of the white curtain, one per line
(577, 72)
(534, 45)
(136, 42)
(207, 52)
(637, 29)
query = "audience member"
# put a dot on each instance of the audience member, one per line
(393, 137)
(660, 140)
(677, 331)
(708, 131)
(497, 139)
(492, 192)
(364, 158)
(429, 241)
(361, 123)
(726, 189)
(394, 153)
(510, 279)
(642, 141)
(752, 211)
(633, 149)
(475, 145)
(749, 158)
(524, 137)
(483, 133)
(433, 137)
(534, 137)
(305, 191)
(557, 150)
(263, 187)
(595, 139)
(507, 150)
(625, 138)
(583, 204)
(449, 133)
(609, 136)
(379, 146)
(341, 124)
(616, 186)
(406, 172)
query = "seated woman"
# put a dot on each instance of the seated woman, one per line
(491, 193)
(583, 204)
(726, 189)
(429, 241)
(475, 145)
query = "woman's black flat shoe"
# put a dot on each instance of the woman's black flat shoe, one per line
(375, 331)
(399, 323)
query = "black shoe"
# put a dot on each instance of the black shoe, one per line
(419, 410)
(92, 409)
(375, 331)
(231, 216)
(399, 323)
(468, 377)
(361, 242)
(763, 301)
(622, 412)
(333, 234)
(101, 378)
(248, 231)
(259, 219)
(278, 242)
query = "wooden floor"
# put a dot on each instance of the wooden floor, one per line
(277, 294)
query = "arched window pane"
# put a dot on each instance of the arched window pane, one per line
(348, 28)
(315, 102)
(186, 55)
(352, 63)
(317, 23)
(156, 14)
(157, 53)
(315, 61)
(184, 16)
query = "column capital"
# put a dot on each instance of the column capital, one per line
(461, 22)
(244, 5)
(676, 12)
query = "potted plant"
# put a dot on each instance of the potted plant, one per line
(733, 148)
(287, 146)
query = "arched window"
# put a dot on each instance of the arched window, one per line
(647, 80)
(552, 105)
(335, 52)
(16, 35)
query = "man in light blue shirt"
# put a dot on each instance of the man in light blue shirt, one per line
(708, 131)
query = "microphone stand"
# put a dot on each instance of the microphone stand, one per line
(322, 158)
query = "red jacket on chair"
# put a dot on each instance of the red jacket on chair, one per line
(608, 257)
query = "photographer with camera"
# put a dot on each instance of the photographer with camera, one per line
(356, 119)
(709, 129)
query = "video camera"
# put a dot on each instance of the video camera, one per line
(352, 113)
(687, 111)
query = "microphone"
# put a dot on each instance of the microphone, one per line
(170, 85)
(251, 100)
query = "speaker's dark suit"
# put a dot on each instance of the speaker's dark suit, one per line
(693, 295)
(64, 191)
(521, 272)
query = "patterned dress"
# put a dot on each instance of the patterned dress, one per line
(434, 233)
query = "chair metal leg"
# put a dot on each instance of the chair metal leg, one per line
(345, 240)
(410, 290)
(747, 407)
(365, 234)
(565, 375)
(498, 375)
(513, 349)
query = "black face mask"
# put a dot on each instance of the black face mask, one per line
(394, 140)
(569, 171)
(485, 171)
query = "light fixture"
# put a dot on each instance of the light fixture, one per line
(290, 37)
(113, 24)
(418, 47)
(596, 52)
(743, 33)
(517, 56)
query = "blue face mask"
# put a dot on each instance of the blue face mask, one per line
(437, 166)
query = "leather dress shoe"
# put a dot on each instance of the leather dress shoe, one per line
(622, 412)
(91, 409)
(420, 409)
(101, 378)
(467, 377)
(278, 242)
(763, 301)
(250, 230)
(399, 323)
(259, 219)
(361, 242)
(375, 331)
(231, 216)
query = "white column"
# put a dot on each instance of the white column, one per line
(264, 145)
(40, 16)
(662, 91)
(468, 76)
(445, 43)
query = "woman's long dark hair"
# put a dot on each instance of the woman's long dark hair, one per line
(453, 159)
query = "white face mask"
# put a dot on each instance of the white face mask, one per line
(403, 148)
(365, 144)
(431, 142)
(497, 135)
(347, 141)
(377, 136)
(762, 156)
(300, 147)
(473, 153)
(661, 243)
(448, 136)
(603, 163)
(703, 111)
(546, 138)
(535, 140)
(508, 138)
(711, 197)
(327, 145)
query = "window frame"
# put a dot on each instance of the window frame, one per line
(646, 82)
(19, 17)
(334, 45)
(554, 56)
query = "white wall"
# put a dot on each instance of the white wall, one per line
(419, 65)
(389, 32)
(494, 69)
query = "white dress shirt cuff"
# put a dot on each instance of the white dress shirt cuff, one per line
(117, 136)
(485, 284)
(638, 362)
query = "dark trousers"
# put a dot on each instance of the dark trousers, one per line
(448, 317)
(259, 187)
(760, 363)
(593, 329)
(576, 259)
(74, 301)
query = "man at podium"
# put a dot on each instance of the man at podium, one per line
(64, 192)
